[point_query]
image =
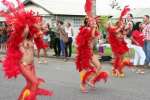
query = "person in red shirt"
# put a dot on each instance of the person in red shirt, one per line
(138, 43)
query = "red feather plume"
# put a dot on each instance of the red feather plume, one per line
(17, 19)
(102, 75)
(88, 7)
(125, 11)
(87, 75)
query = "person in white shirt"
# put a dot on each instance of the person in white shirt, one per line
(69, 31)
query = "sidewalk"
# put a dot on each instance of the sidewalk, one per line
(50, 54)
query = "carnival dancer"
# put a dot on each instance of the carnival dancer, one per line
(118, 45)
(86, 62)
(40, 43)
(19, 57)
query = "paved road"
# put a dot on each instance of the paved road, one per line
(63, 79)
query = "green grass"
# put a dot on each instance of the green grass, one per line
(107, 52)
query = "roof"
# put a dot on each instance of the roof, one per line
(37, 8)
(73, 7)
(62, 7)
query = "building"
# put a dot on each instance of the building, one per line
(66, 10)
(73, 10)
(2, 21)
(51, 10)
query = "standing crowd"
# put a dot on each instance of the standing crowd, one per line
(61, 39)
(139, 35)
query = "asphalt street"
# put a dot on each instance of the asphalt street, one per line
(63, 79)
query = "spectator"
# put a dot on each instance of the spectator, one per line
(1, 32)
(146, 32)
(63, 38)
(4, 37)
(46, 36)
(40, 43)
(138, 43)
(129, 25)
(101, 47)
(69, 31)
(55, 40)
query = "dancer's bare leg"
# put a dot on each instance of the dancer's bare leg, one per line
(121, 67)
(98, 75)
(82, 86)
(45, 55)
(28, 73)
(40, 80)
(118, 65)
(38, 55)
(23, 94)
(96, 63)
(31, 79)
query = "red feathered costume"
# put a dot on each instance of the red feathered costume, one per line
(84, 51)
(118, 45)
(84, 42)
(18, 19)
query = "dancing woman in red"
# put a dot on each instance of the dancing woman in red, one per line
(19, 57)
(40, 44)
(86, 62)
(118, 45)
(28, 70)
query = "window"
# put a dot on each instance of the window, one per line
(77, 21)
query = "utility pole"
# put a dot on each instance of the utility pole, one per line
(94, 8)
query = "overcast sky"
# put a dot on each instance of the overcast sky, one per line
(14, 1)
(136, 3)
(132, 3)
